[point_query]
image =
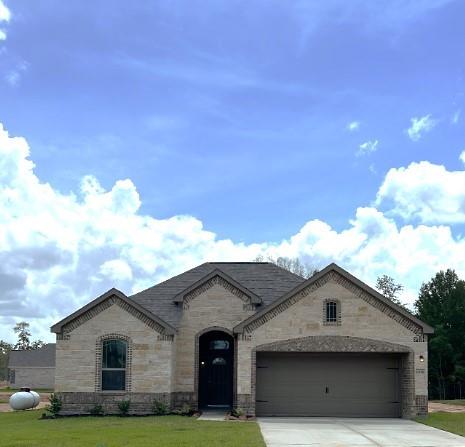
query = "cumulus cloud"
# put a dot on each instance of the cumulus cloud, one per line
(424, 192)
(59, 251)
(462, 156)
(353, 126)
(456, 116)
(5, 16)
(420, 126)
(367, 148)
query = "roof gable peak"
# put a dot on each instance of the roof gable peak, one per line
(100, 303)
(347, 280)
(237, 288)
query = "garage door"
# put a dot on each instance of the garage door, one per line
(346, 385)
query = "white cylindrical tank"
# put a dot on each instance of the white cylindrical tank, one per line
(36, 398)
(22, 400)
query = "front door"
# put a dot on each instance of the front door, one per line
(216, 366)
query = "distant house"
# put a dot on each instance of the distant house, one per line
(33, 369)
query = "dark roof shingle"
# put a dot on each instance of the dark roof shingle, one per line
(43, 357)
(264, 279)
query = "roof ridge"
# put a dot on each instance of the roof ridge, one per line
(168, 279)
(239, 262)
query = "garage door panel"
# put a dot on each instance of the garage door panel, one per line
(303, 384)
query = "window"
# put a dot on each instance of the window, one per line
(11, 374)
(331, 312)
(219, 345)
(219, 361)
(114, 356)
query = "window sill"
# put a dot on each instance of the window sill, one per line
(112, 392)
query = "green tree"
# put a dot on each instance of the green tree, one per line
(22, 332)
(389, 288)
(441, 304)
(24, 338)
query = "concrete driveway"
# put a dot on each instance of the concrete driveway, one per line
(335, 432)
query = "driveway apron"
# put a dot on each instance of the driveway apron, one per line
(341, 432)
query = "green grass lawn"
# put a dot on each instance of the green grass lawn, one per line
(453, 422)
(26, 429)
(451, 402)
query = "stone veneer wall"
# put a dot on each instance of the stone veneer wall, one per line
(359, 318)
(150, 360)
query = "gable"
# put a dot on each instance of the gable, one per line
(105, 301)
(335, 274)
(217, 277)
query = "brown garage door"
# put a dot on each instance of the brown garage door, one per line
(346, 385)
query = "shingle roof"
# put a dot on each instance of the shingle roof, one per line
(43, 357)
(264, 279)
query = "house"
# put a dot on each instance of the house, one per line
(33, 368)
(248, 335)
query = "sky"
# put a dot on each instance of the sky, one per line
(140, 139)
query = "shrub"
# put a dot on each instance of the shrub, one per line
(185, 410)
(123, 407)
(96, 410)
(55, 405)
(159, 408)
(237, 412)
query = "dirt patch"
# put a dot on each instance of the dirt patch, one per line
(6, 407)
(434, 407)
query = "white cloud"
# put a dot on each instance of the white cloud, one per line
(14, 76)
(59, 251)
(353, 126)
(5, 16)
(462, 156)
(424, 192)
(456, 116)
(367, 148)
(419, 126)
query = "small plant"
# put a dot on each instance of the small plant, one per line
(237, 412)
(185, 410)
(55, 405)
(123, 407)
(159, 408)
(96, 410)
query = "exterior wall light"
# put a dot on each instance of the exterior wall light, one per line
(422, 359)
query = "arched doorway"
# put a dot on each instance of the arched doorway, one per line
(216, 369)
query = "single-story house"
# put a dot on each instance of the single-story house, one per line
(33, 369)
(249, 335)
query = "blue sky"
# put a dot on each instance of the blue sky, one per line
(251, 119)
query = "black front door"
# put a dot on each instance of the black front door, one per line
(216, 365)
